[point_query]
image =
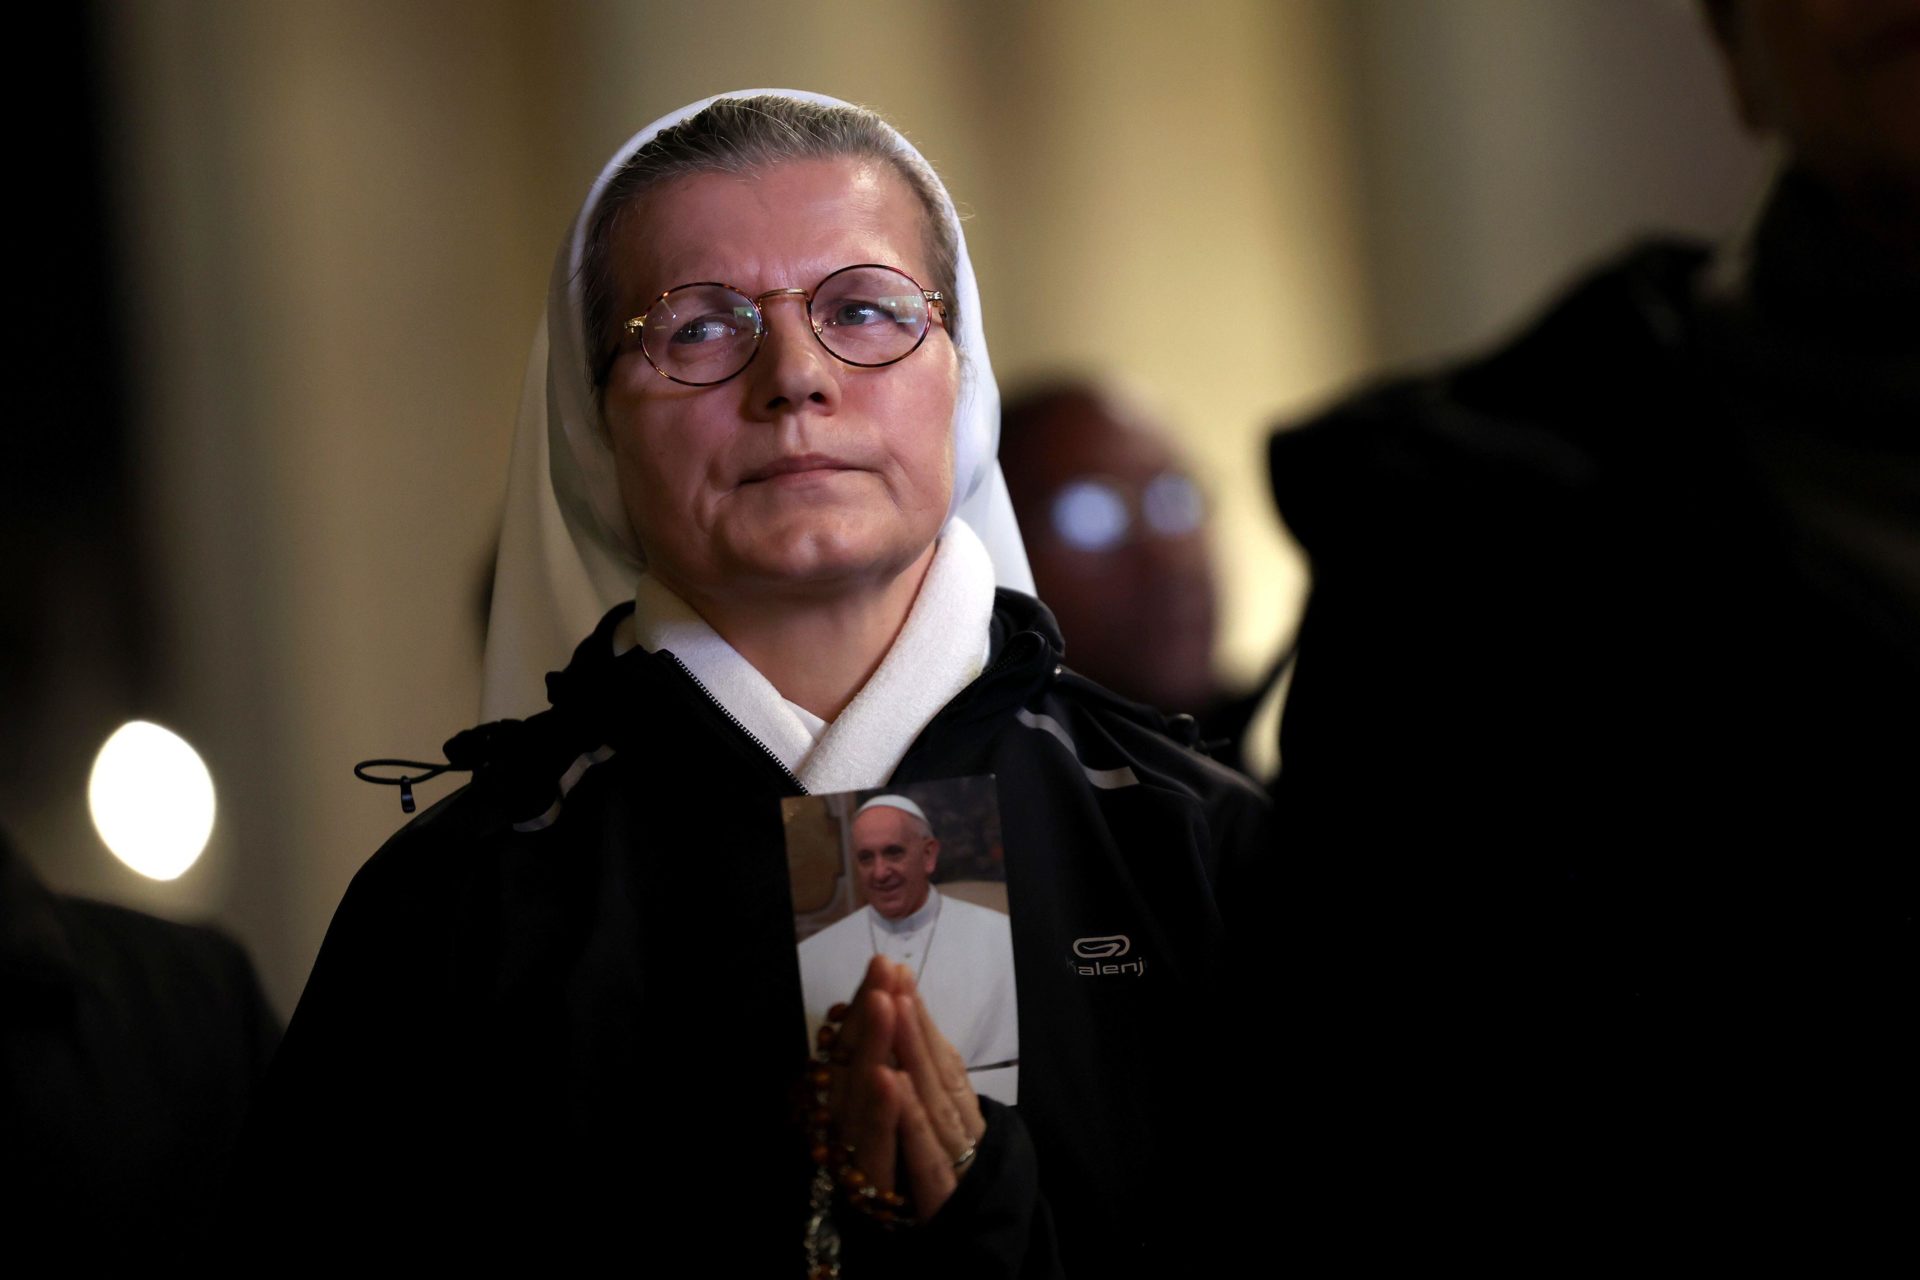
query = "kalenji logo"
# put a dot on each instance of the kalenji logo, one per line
(1097, 957)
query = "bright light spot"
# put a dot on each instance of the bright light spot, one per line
(152, 799)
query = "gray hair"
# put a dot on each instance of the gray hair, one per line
(740, 136)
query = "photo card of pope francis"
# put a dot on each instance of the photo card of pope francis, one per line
(915, 873)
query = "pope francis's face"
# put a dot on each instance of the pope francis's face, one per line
(893, 856)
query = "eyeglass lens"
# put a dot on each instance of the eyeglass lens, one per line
(706, 333)
(1095, 515)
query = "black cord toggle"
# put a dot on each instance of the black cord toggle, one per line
(466, 751)
(405, 781)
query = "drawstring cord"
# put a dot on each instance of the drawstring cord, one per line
(423, 772)
(466, 751)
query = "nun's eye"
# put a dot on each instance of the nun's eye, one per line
(705, 329)
(849, 314)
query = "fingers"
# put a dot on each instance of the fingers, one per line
(879, 977)
(900, 1091)
(920, 1062)
(865, 1047)
(928, 1164)
(872, 1123)
(855, 1016)
(873, 1045)
(897, 1143)
(952, 1072)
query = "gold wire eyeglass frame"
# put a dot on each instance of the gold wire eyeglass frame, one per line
(635, 328)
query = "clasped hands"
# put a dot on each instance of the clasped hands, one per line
(900, 1092)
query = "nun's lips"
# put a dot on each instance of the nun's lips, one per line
(800, 465)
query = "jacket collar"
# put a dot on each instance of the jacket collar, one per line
(623, 700)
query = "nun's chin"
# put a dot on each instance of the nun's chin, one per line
(799, 542)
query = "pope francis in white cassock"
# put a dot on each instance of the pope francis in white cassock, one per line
(961, 954)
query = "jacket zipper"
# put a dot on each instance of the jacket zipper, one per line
(1005, 661)
(734, 720)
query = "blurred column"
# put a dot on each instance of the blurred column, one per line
(1505, 143)
(333, 291)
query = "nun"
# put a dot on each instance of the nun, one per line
(560, 1012)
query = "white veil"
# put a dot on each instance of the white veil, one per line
(566, 552)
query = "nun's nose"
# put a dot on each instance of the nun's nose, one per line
(793, 372)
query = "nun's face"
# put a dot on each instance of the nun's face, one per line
(802, 474)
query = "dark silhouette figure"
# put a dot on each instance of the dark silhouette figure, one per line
(129, 1052)
(1601, 751)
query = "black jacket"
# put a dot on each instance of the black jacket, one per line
(556, 1040)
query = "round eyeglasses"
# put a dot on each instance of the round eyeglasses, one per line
(867, 315)
(1096, 513)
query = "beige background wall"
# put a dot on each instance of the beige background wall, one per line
(338, 220)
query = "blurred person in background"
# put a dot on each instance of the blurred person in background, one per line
(1116, 529)
(1601, 748)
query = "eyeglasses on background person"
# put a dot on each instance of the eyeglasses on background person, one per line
(866, 315)
(1099, 513)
